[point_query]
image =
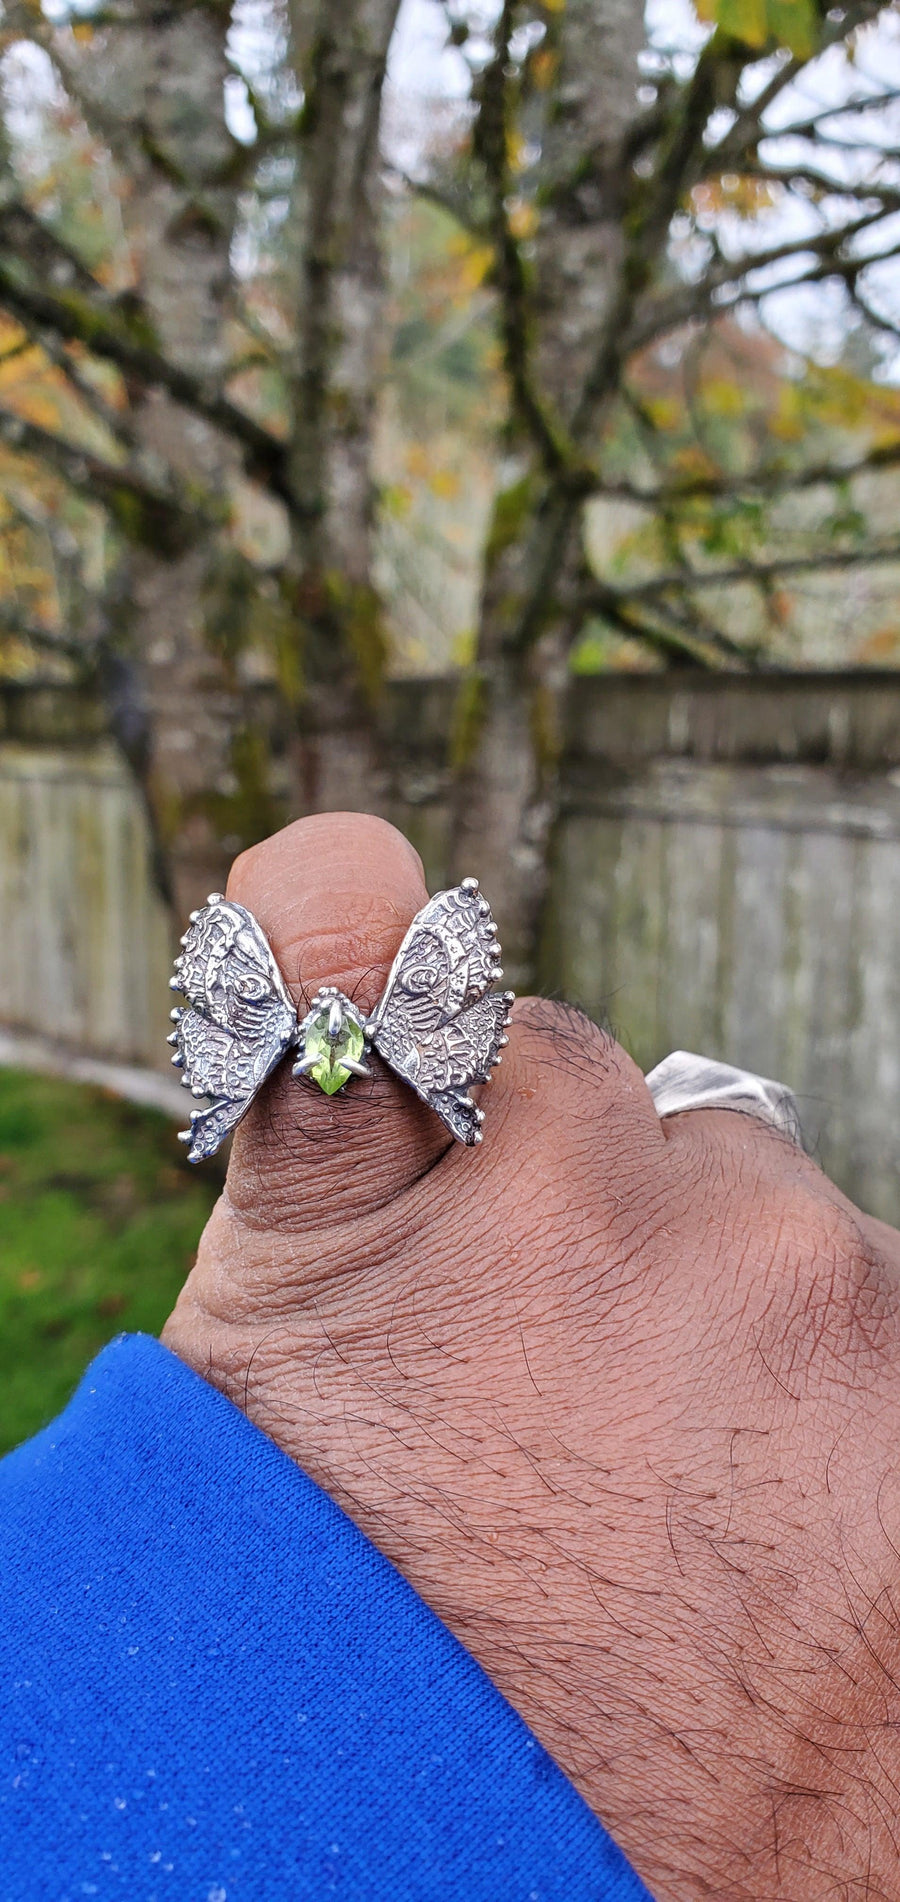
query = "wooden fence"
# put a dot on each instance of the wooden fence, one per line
(726, 878)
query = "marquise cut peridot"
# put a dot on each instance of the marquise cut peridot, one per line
(329, 1072)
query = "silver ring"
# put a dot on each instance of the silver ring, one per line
(684, 1081)
(438, 1024)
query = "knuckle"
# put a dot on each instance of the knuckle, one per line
(564, 1049)
(792, 1255)
(828, 1301)
(560, 1030)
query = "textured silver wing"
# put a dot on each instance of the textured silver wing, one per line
(438, 1024)
(239, 1021)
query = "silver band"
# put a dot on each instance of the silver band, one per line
(684, 1081)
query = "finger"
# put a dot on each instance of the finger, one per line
(334, 894)
(570, 1120)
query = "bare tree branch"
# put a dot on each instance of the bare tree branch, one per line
(114, 421)
(788, 176)
(91, 317)
(811, 128)
(867, 310)
(675, 581)
(648, 222)
(748, 126)
(768, 482)
(654, 625)
(431, 194)
(18, 626)
(133, 498)
(696, 299)
(493, 145)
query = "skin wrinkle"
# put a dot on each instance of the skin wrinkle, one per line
(287, 1105)
(549, 1381)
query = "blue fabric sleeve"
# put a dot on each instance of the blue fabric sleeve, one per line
(214, 1689)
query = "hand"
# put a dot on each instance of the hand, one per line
(619, 1397)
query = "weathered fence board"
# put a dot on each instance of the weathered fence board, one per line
(726, 878)
(85, 935)
(753, 915)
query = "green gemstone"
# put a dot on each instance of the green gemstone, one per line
(329, 1071)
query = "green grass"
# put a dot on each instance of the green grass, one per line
(99, 1222)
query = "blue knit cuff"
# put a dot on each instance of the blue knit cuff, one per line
(215, 1689)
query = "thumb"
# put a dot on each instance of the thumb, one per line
(334, 895)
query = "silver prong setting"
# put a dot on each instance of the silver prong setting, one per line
(304, 1066)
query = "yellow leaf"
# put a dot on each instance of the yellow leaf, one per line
(664, 412)
(723, 399)
(523, 218)
(883, 645)
(474, 267)
(788, 423)
(417, 461)
(732, 192)
(692, 460)
(543, 67)
(445, 483)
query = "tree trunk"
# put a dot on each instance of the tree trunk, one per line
(341, 53)
(154, 86)
(506, 781)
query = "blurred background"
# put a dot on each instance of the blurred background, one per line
(481, 412)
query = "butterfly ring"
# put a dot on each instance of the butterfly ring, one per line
(438, 1023)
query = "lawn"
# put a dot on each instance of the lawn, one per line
(99, 1221)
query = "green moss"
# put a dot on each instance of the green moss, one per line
(469, 715)
(546, 730)
(135, 521)
(243, 610)
(129, 320)
(227, 603)
(166, 527)
(99, 1222)
(367, 640)
(511, 511)
(249, 810)
(282, 637)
